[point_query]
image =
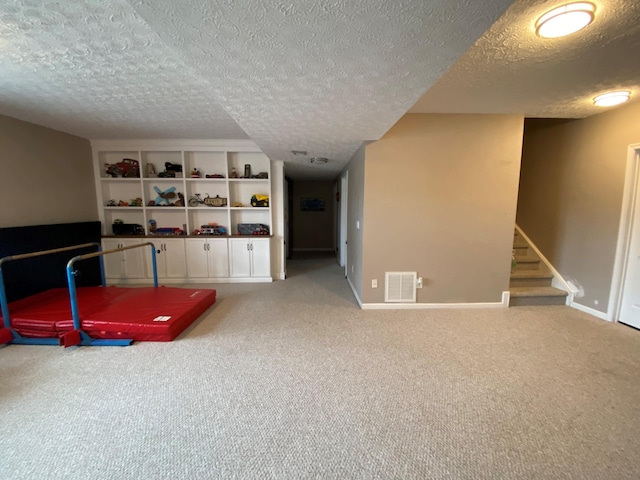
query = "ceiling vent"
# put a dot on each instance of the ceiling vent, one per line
(319, 160)
(400, 287)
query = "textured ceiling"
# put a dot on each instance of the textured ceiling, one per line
(319, 76)
(314, 75)
(511, 70)
(95, 69)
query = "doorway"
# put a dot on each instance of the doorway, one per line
(310, 219)
(344, 196)
(625, 288)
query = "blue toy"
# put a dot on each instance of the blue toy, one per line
(164, 196)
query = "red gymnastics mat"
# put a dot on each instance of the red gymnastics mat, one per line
(157, 314)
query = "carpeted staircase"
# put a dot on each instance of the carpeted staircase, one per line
(530, 282)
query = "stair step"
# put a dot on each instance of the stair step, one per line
(530, 278)
(531, 274)
(525, 254)
(527, 263)
(520, 296)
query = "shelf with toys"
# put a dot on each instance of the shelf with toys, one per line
(186, 189)
(204, 203)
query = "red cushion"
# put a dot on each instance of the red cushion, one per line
(145, 313)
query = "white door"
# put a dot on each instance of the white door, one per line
(260, 263)
(218, 257)
(197, 257)
(630, 305)
(240, 257)
(344, 184)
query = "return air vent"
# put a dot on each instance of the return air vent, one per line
(400, 287)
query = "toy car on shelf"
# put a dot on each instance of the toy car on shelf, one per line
(127, 168)
(212, 230)
(259, 200)
(253, 229)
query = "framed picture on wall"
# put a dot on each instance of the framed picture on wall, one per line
(312, 204)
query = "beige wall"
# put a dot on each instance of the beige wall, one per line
(313, 230)
(440, 199)
(571, 194)
(47, 176)
(355, 213)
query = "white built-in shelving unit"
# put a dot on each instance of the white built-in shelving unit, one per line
(210, 257)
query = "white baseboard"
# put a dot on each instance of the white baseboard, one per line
(423, 306)
(590, 311)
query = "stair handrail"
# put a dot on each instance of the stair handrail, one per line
(554, 272)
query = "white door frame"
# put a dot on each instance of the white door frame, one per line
(629, 201)
(344, 193)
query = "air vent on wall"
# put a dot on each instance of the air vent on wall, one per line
(400, 287)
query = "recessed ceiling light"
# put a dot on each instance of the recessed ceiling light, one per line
(611, 98)
(319, 160)
(565, 20)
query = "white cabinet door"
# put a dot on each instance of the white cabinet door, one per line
(170, 258)
(240, 257)
(207, 257)
(250, 257)
(260, 257)
(124, 265)
(174, 258)
(218, 260)
(134, 259)
(113, 262)
(197, 257)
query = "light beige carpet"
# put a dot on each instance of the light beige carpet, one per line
(291, 380)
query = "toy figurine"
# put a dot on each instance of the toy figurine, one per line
(164, 196)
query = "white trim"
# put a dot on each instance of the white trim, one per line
(344, 210)
(425, 306)
(558, 281)
(624, 233)
(590, 311)
(355, 294)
